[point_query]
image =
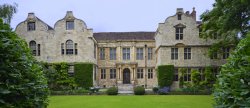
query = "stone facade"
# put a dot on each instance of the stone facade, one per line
(120, 58)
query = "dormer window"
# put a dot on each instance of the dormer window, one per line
(179, 33)
(69, 25)
(31, 26)
(179, 16)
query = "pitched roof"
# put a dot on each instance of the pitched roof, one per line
(102, 36)
(49, 27)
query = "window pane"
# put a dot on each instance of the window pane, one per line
(32, 46)
(69, 25)
(69, 47)
(31, 26)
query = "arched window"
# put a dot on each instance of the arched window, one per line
(32, 45)
(69, 47)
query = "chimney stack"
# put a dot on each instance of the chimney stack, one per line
(193, 14)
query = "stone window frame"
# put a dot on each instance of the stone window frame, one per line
(187, 75)
(139, 73)
(112, 73)
(214, 55)
(179, 16)
(103, 73)
(225, 51)
(174, 53)
(179, 31)
(71, 70)
(31, 26)
(126, 53)
(201, 70)
(176, 74)
(139, 54)
(150, 53)
(35, 48)
(102, 53)
(112, 53)
(70, 25)
(69, 47)
(187, 53)
(62, 49)
(150, 73)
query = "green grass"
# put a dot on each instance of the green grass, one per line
(147, 101)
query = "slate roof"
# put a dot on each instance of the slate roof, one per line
(102, 36)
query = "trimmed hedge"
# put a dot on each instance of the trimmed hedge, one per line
(139, 90)
(84, 74)
(165, 75)
(112, 91)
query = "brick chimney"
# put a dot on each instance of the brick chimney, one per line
(193, 14)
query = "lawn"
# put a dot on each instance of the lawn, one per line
(147, 101)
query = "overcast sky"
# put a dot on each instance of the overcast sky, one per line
(108, 15)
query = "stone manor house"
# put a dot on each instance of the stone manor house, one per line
(123, 58)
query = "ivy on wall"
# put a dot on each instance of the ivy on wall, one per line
(165, 75)
(58, 78)
(84, 74)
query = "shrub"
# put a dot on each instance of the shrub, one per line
(84, 74)
(22, 81)
(112, 91)
(165, 75)
(232, 89)
(155, 89)
(164, 91)
(139, 90)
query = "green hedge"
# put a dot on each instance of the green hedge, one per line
(112, 91)
(84, 74)
(139, 90)
(165, 75)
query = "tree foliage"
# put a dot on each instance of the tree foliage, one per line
(229, 19)
(196, 78)
(7, 11)
(232, 89)
(22, 82)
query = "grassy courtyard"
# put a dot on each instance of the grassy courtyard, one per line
(147, 101)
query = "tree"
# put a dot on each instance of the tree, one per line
(232, 88)
(22, 81)
(229, 19)
(7, 11)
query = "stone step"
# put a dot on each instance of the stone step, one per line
(125, 89)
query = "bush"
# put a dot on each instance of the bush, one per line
(164, 91)
(139, 90)
(84, 74)
(22, 81)
(232, 89)
(112, 91)
(165, 75)
(155, 89)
